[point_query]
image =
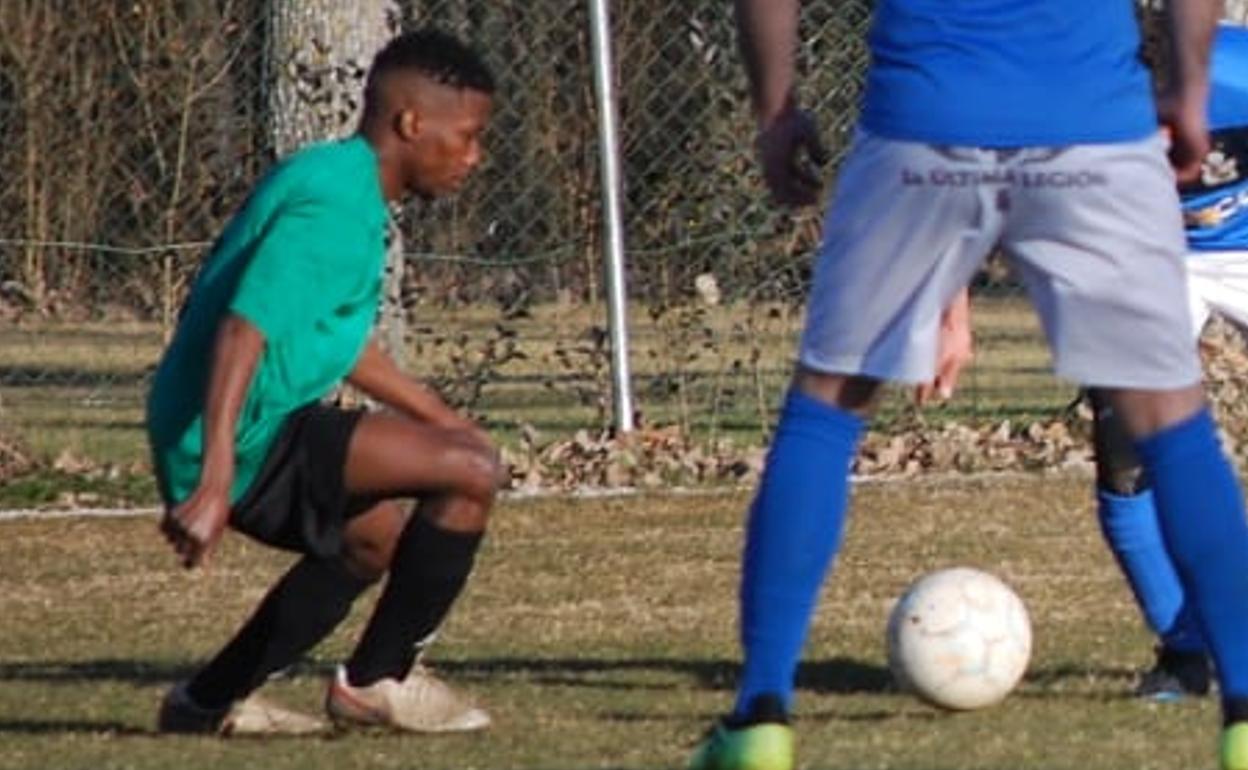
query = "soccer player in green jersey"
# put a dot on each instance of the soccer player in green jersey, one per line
(281, 313)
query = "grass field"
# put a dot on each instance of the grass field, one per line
(600, 632)
(714, 371)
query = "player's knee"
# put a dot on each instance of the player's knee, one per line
(1118, 469)
(1123, 480)
(487, 472)
(481, 471)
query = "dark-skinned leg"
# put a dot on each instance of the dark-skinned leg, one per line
(1201, 510)
(1129, 523)
(455, 474)
(304, 607)
(1128, 520)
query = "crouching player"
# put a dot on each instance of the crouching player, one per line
(281, 313)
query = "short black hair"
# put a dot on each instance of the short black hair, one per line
(434, 54)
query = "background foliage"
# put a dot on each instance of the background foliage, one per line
(129, 132)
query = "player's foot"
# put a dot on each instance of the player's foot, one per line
(1176, 675)
(763, 741)
(1234, 750)
(254, 715)
(421, 703)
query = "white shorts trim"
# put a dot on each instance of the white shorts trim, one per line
(1217, 283)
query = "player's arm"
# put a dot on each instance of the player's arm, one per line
(195, 525)
(767, 35)
(788, 140)
(954, 350)
(380, 377)
(1181, 107)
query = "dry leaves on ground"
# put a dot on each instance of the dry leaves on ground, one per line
(14, 459)
(652, 458)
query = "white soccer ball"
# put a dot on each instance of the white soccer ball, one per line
(959, 638)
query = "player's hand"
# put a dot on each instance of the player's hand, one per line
(194, 526)
(1182, 117)
(955, 349)
(790, 152)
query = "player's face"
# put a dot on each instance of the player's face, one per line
(447, 146)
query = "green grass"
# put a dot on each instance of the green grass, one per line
(600, 633)
(50, 488)
(80, 388)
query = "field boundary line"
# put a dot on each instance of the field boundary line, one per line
(590, 493)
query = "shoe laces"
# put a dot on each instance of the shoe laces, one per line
(422, 686)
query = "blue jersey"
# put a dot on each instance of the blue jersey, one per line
(1215, 209)
(1007, 73)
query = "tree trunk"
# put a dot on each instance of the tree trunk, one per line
(318, 55)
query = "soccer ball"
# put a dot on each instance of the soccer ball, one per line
(959, 638)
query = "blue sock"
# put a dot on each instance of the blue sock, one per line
(1201, 510)
(793, 533)
(1130, 526)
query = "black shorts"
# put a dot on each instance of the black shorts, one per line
(298, 501)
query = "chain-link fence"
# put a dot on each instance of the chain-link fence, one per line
(130, 131)
(715, 274)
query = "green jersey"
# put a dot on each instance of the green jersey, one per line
(302, 261)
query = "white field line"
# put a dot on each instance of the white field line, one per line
(589, 493)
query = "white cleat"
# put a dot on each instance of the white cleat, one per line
(420, 702)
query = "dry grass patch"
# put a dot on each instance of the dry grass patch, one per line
(600, 632)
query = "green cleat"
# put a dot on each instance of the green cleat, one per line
(1235, 746)
(765, 746)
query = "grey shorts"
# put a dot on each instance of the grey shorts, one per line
(1095, 233)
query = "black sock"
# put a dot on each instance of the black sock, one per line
(310, 600)
(429, 569)
(764, 709)
(1234, 710)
